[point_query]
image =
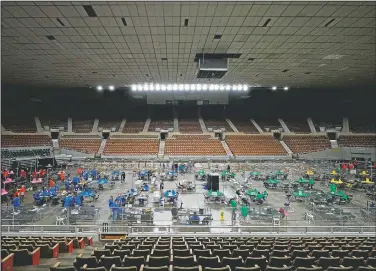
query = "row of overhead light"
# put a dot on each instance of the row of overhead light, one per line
(188, 87)
(110, 88)
(284, 88)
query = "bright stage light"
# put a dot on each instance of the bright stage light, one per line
(186, 87)
(151, 87)
(174, 87)
(216, 87)
(199, 87)
(139, 88)
(193, 87)
(99, 88)
(111, 88)
(245, 87)
(274, 88)
(163, 87)
(228, 87)
(157, 87)
(169, 87)
(221, 87)
(181, 87)
(204, 87)
(211, 87)
(286, 88)
(134, 87)
(146, 87)
(234, 87)
(240, 87)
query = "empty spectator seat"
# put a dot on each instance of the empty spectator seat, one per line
(362, 125)
(297, 126)
(25, 141)
(305, 144)
(19, 125)
(245, 126)
(217, 124)
(133, 126)
(83, 126)
(107, 124)
(55, 123)
(162, 124)
(132, 147)
(357, 141)
(326, 122)
(245, 145)
(81, 145)
(189, 126)
(272, 124)
(193, 145)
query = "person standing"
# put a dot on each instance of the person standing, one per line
(22, 192)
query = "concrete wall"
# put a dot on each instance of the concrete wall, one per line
(342, 153)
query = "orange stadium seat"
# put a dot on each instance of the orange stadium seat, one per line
(83, 126)
(217, 124)
(25, 140)
(357, 141)
(254, 145)
(81, 145)
(193, 145)
(245, 126)
(132, 147)
(163, 124)
(306, 143)
(133, 127)
(297, 126)
(189, 126)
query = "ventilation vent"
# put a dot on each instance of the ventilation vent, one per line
(215, 56)
(251, 59)
(90, 11)
(217, 37)
(285, 70)
(50, 37)
(164, 58)
(186, 22)
(60, 22)
(124, 21)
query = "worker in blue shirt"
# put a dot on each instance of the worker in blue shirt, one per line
(68, 201)
(110, 201)
(194, 218)
(16, 202)
(77, 200)
(114, 209)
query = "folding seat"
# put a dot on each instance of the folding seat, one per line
(89, 261)
(279, 261)
(222, 243)
(206, 243)
(46, 251)
(253, 261)
(354, 262)
(98, 253)
(144, 247)
(232, 262)
(238, 242)
(30, 247)
(202, 252)
(209, 261)
(303, 262)
(183, 246)
(366, 247)
(320, 253)
(190, 268)
(164, 246)
(244, 253)
(280, 247)
(140, 252)
(25, 257)
(372, 253)
(315, 247)
(230, 247)
(349, 247)
(160, 252)
(313, 268)
(65, 246)
(264, 247)
(340, 253)
(259, 253)
(123, 268)
(299, 253)
(155, 261)
(339, 268)
(273, 268)
(359, 253)
(129, 247)
(9, 246)
(111, 247)
(133, 261)
(371, 261)
(187, 261)
(331, 248)
(107, 261)
(366, 268)
(250, 247)
(279, 253)
(221, 253)
(325, 262)
(226, 268)
(181, 252)
(99, 268)
(243, 268)
(154, 268)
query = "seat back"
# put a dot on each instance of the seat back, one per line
(232, 262)
(158, 261)
(181, 252)
(133, 261)
(108, 261)
(208, 261)
(186, 261)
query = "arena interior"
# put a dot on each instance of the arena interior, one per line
(188, 136)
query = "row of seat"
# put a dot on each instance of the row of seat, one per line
(131, 147)
(133, 126)
(162, 124)
(109, 124)
(271, 124)
(81, 145)
(191, 126)
(19, 125)
(193, 145)
(82, 126)
(357, 141)
(306, 143)
(254, 145)
(216, 124)
(245, 126)
(297, 126)
(43, 152)
(25, 141)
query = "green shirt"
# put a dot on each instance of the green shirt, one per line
(244, 210)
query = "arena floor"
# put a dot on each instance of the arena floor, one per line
(162, 216)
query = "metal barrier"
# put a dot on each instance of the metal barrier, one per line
(180, 230)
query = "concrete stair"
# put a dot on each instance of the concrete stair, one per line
(161, 150)
(70, 125)
(122, 124)
(102, 146)
(38, 125)
(345, 125)
(257, 126)
(55, 143)
(95, 126)
(311, 125)
(202, 124)
(334, 144)
(147, 124)
(226, 148)
(287, 149)
(233, 127)
(284, 126)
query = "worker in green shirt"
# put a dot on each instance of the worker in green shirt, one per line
(244, 211)
(234, 205)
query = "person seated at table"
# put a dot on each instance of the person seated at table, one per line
(259, 198)
(37, 199)
(194, 219)
(68, 201)
(264, 195)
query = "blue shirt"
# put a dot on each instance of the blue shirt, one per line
(68, 201)
(16, 202)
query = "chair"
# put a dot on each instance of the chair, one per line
(80, 261)
(279, 253)
(48, 252)
(273, 268)
(366, 268)
(57, 267)
(325, 262)
(313, 268)
(209, 261)
(141, 252)
(108, 261)
(99, 268)
(153, 261)
(111, 247)
(181, 252)
(232, 262)
(244, 253)
(196, 246)
(184, 246)
(225, 268)
(360, 253)
(299, 253)
(340, 253)
(279, 261)
(320, 253)
(153, 268)
(253, 261)
(221, 253)
(158, 246)
(371, 261)
(339, 268)
(190, 268)
(24, 257)
(143, 247)
(354, 262)
(129, 261)
(160, 252)
(98, 253)
(187, 261)
(303, 262)
(120, 253)
(242, 268)
(202, 252)
(124, 268)
(259, 253)
(129, 247)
